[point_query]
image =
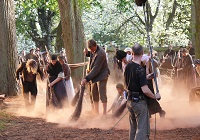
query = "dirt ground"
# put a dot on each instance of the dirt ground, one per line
(26, 128)
(181, 122)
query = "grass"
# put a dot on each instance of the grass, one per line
(4, 119)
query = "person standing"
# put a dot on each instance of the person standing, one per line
(189, 72)
(191, 49)
(122, 57)
(98, 74)
(29, 71)
(68, 79)
(129, 56)
(56, 82)
(137, 85)
(31, 55)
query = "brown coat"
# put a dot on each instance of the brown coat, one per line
(98, 66)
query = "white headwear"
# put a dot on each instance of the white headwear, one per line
(128, 49)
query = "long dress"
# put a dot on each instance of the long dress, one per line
(59, 94)
(68, 82)
(189, 72)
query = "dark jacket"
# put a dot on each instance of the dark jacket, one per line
(26, 76)
(98, 66)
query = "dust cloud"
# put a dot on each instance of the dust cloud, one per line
(179, 112)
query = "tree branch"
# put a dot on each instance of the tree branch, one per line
(172, 14)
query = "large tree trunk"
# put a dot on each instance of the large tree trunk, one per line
(7, 48)
(73, 35)
(59, 40)
(197, 34)
(193, 22)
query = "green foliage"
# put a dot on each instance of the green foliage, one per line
(122, 21)
(27, 14)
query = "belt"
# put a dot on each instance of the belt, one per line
(135, 96)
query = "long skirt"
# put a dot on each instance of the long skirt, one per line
(153, 104)
(70, 89)
(58, 93)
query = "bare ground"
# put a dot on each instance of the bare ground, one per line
(26, 128)
(181, 123)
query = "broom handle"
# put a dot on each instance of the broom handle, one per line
(84, 66)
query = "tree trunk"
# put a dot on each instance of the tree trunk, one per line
(197, 34)
(193, 21)
(73, 35)
(59, 40)
(7, 48)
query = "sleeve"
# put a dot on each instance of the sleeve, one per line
(20, 68)
(97, 68)
(126, 78)
(61, 75)
(142, 77)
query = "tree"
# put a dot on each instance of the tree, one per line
(8, 48)
(168, 20)
(36, 19)
(72, 33)
(197, 35)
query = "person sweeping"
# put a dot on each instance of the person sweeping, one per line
(120, 98)
(29, 70)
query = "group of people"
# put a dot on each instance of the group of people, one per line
(183, 63)
(138, 90)
(60, 87)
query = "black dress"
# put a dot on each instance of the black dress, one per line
(59, 95)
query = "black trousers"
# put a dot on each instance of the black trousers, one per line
(32, 88)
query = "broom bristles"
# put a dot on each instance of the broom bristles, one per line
(76, 114)
(75, 99)
(120, 110)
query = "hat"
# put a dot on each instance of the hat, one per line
(120, 54)
(120, 86)
(128, 49)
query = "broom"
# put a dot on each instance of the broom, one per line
(76, 114)
(120, 110)
(76, 97)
